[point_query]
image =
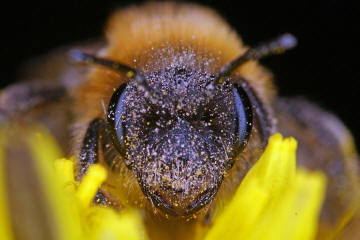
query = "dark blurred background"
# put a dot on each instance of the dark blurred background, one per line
(324, 67)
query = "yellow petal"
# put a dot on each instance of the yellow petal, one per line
(105, 223)
(273, 201)
(277, 166)
(36, 206)
(65, 169)
(294, 213)
(90, 184)
(5, 225)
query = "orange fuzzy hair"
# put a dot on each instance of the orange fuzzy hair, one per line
(157, 35)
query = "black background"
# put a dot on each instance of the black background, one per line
(324, 67)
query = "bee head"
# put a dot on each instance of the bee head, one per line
(180, 146)
(180, 129)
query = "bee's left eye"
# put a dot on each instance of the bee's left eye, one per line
(243, 118)
(116, 118)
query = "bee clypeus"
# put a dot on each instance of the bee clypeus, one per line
(178, 110)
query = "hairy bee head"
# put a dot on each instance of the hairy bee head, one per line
(179, 129)
(181, 145)
(181, 115)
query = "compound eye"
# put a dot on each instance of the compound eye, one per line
(243, 119)
(116, 118)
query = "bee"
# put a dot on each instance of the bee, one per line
(178, 110)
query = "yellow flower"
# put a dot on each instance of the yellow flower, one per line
(274, 201)
(69, 213)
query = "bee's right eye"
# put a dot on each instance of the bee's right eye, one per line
(116, 118)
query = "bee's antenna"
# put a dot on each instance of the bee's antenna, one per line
(84, 58)
(275, 46)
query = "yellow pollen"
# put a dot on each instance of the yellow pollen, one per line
(130, 74)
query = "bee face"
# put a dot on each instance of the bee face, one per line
(180, 145)
(182, 122)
